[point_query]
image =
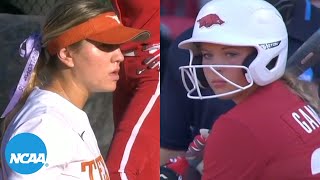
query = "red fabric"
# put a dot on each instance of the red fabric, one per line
(189, 8)
(176, 24)
(141, 14)
(143, 162)
(261, 139)
(179, 165)
(131, 99)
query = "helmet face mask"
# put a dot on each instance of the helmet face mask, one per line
(194, 92)
(250, 23)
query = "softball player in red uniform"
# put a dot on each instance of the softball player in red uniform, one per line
(273, 131)
(134, 152)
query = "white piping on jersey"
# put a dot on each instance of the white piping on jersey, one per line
(135, 132)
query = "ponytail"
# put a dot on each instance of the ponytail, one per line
(305, 90)
(34, 81)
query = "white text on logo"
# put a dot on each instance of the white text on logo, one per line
(26, 158)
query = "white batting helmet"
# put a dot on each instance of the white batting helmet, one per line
(254, 23)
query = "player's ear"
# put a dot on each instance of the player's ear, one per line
(65, 57)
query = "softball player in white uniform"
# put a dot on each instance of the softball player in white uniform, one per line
(72, 149)
(79, 46)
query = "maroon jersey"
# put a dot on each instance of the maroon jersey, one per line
(136, 101)
(272, 135)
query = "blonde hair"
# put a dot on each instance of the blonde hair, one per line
(305, 90)
(62, 17)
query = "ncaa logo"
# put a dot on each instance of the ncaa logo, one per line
(26, 153)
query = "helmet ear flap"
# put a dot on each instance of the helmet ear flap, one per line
(250, 58)
(253, 55)
(197, 60)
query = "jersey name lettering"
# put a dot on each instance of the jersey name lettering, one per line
(307, 118)
(89, 166)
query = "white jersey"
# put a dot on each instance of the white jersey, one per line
(72, 149)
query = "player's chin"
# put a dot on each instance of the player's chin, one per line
(112, 87)
(108, 87)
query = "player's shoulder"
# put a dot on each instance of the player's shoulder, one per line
(266, 99)
(45, 126)
(261, 107)
(37, 117)
(57, 138)
(43, 113)
(53, 131)
(48, 108)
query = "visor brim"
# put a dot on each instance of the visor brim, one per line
(120, 35)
